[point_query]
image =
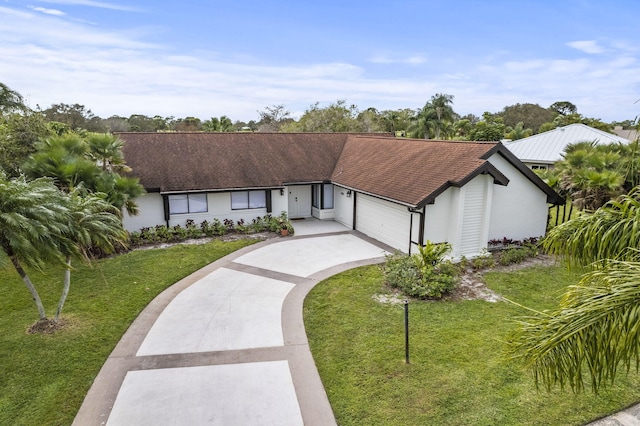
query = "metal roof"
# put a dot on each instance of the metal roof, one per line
(548, 147)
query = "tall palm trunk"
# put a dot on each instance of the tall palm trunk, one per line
(30, 286)
(438, 123)
(65, 289)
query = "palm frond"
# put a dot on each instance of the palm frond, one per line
(611, 232)
(594, 331)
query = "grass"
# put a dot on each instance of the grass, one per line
(562, 212)
(44, 378)
(458, 374)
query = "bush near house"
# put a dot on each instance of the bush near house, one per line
(424, 275)
(162, 234)
(507, 251)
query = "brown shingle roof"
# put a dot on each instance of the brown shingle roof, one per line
(208, 161)
(411, 171)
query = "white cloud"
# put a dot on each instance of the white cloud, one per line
(26, 28)
(587, 46)
(54, 12)
(387, 59)
(50, 60)
(415, 60)
(91, 3)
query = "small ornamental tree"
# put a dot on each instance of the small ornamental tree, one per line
(95, 224)
(35, 221)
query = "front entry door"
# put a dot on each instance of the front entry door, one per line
(299, 201)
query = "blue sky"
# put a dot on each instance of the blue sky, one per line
(212, 58)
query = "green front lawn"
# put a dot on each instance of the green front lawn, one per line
(458, 374)
(44, 378)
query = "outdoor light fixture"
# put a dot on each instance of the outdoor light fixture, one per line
(349, 193)
(281, 191)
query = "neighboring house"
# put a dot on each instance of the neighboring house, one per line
(630, 134)
(541, 151)
(401, 192)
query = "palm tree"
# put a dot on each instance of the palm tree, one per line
(389, 121)
(441, 105)
(462, 128)
(422, 127)
(95, 225)
(121, 191)
(34, 223)
(222, 124)
(106, 150)
(630, 163)
(65, 159)
(591, 174)
(518, 132)
(431, 118)
(10, 100)
(595, 327)
(608, 233)
(94, 164)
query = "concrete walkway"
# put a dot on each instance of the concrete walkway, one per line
(227, 345)
(628, 417)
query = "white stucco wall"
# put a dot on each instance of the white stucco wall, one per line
(343, 206)
(151, 209)
(440, 216)
(519, 210)
(445, 218)
(323, 214)
(218, 205)
(279, 203)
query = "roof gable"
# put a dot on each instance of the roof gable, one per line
(411, 171)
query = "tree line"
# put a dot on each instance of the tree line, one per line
(437, 119)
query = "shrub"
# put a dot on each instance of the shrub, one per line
(148, 235)
(163, 234)
(207, 229)
(192, 230)
(218, 227)
(483, 261)
(518, 255)
(179, 233)
(430, 255)
(260, 224)
(241, 227)
(278, 223)
(425, 275)
(135, 238)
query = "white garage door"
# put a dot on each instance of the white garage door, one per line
(383, 221)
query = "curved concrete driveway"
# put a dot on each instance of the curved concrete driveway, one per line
(227, 345)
